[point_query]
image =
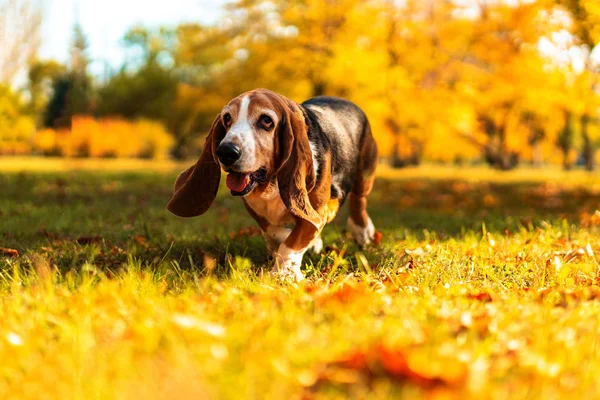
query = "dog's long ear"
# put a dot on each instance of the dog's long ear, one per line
(295, 176)
(196, 187)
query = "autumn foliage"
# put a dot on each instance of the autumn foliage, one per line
(89, 137)
(501, 82)
(494, 81)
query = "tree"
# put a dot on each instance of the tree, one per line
(41, 75)
(440, 79)
(585, 26)
(146, 85)
(285, 46)
(81, 89)
(20, 22)
(73, 91)
(16, 127)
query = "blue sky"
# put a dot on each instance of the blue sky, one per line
(106, 21)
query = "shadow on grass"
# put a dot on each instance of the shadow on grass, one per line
(126, 216)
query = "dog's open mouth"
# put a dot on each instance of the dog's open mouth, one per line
(240, 184)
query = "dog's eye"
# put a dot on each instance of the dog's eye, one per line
(266, 122)
(227, 119)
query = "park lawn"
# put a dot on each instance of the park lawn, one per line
(483, 285)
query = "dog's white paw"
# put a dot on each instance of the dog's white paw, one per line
(287, 264)
(362, 235)
(285, 274)
(317, 245)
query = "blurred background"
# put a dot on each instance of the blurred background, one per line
(497, 82)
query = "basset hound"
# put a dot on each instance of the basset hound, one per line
(292, 164)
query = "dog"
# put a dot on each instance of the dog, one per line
(293, 165)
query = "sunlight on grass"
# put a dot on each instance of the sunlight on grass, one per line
(482, 288)
(59, 164)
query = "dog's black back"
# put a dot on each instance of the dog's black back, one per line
(336, 126)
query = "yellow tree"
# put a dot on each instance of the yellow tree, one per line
(424, 44)
(401, 68)
(504, 78)
(585, 27)
(289, 45)
(439, 79)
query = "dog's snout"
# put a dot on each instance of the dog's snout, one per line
(228, 153)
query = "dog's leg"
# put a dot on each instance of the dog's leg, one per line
(291, 251)
(359, 223)
(317, 245)
(274, 236)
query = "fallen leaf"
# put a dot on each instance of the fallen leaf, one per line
(481, 296)
(489, 200)
(309, 286)
(588, 220)
(141, 240)
(347, 292)
(356, 360)
(8, 252)
(411, 366)
(420, 369)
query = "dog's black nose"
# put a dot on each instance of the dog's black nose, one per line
(228, 154)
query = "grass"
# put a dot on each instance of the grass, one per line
(484, 285)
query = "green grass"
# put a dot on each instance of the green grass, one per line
(484, 285)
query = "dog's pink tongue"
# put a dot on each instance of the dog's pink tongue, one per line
(237, 182)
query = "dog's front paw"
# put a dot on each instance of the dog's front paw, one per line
(362, 235)
(287, 264)
(287, 274)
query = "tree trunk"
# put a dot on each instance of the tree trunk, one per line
(496, 153)
(567, 164)
(396, 161)
(417, 152)
(588, 147)
(565, 141)
(537, 157)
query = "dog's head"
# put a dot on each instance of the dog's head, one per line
(257, 136)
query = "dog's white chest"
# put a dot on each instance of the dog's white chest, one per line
(269, 205)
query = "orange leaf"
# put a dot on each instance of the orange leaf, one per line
(421, 370)
(413, 366)
(347, 293)
(140, 239)
(481, 296)
(8, 252)
(356, 361)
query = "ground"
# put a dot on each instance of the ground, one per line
(482, 284)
